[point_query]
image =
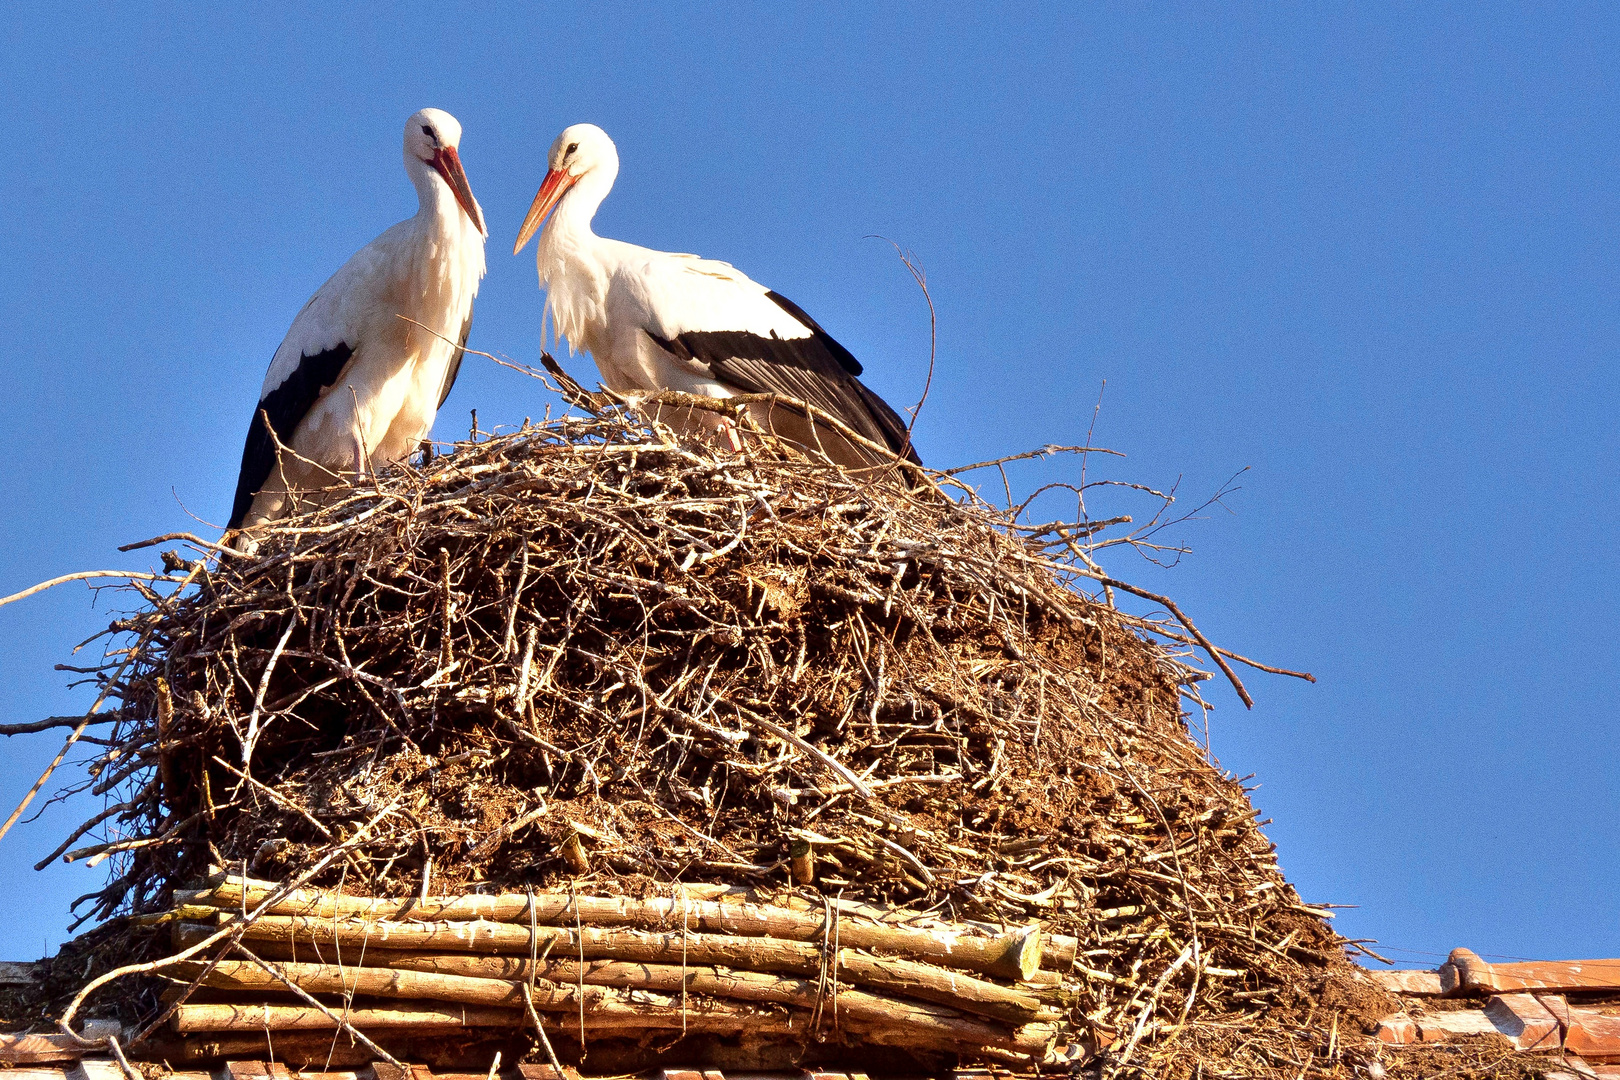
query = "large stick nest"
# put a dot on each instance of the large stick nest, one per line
(589, 653)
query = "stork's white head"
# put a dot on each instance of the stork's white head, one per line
(581, 148)
(580, 151)
(433, 137)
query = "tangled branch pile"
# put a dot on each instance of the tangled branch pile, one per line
(588, 661)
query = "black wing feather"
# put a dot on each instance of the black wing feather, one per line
(814, 369)
(455, 361)
(286, 405)
(845, 358)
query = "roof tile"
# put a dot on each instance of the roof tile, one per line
(1524, 1021)
(1464, 972)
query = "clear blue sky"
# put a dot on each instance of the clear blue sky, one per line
(1371, 255)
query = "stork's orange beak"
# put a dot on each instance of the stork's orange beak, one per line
(448, 164)
(552, 189)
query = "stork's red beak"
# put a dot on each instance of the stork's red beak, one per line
(555, 186)
(448, 164)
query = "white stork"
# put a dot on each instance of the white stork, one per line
(371, 357)
(655, 320)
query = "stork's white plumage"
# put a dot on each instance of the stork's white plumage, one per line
(655, 320)
(369, 360)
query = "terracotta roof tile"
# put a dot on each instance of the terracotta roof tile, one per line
(1524, 1021)
(41, 1049)
(1593, 1035)
(1398, 1029)
(1425, 983)
(1464, 972)
(1588, 1039)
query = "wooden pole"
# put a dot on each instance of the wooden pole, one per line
(418, 1020)
(1015, 954)
(903, 977)
(323, 1051)
(212, 1017)
(924, 1023)
(627, 963)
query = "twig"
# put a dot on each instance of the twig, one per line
(545, 1041)
(1155, 628)
(1198, 636)
(85, 575)
(1029, 455)
(309, 999)
(89, 715)
(51, 722)
(189, 538)
(232, 932)
(274, 796)
(917, 275)
(838, 768)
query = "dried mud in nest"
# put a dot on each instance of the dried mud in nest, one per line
(693, 662)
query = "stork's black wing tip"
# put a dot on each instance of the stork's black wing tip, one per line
(845, 358)
(285, 406)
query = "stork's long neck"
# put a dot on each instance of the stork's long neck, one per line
(439, 217)
(567, 237)
(434, 197)
(574, 262)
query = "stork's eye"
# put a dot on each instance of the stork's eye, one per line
(429, 133)
(571, 148)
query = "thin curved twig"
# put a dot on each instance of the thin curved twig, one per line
(85, 575)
